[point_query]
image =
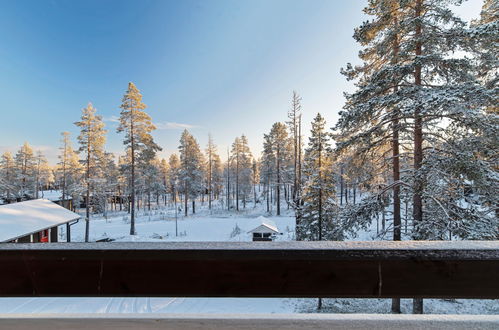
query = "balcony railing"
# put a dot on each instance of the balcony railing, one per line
(255, 269)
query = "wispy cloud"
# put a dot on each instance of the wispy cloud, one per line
(112, 119)
(171, 125)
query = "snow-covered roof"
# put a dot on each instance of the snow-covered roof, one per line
(24, 218)
(266, 226)
(52, 195)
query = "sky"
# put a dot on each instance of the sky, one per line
(223, 67)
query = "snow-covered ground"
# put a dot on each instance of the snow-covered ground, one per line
(216, 225)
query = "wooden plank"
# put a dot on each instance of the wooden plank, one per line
(253, 321)
(254, 269)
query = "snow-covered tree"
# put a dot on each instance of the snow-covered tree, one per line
(68, 171)
(267, 163)
(413, 88)
(92, 139)
(217, 176)
(44, 175)
(7, 176)
(294, 124)
(173, 176)
(280, 148)
(211, 154)
(319, 213)
(255, 179)
(191, 169)
(137, 125)
(164, 170)
(241, 159)
(25, 171)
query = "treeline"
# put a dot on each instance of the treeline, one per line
(415, 146)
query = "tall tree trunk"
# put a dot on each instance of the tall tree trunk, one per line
(237, 179)
(341, 185)
(228, 179)
(268, 191)
(278, 192)
(396, 169)
(320, 188)
(185, 198)
(132, 142)
(209, 181)
(87, 204)
(418, 146)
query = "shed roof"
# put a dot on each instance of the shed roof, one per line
(24, 218)
(266, 226)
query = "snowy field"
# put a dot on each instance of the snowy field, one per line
(217, 225)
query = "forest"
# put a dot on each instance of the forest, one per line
(416, 144)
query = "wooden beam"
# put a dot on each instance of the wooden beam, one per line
(151, 321)
(253, 269)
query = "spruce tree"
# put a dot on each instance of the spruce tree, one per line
(137, 125)
(319, 195)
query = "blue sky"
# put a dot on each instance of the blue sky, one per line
(225, 67)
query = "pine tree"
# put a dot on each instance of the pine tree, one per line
(164, 170)
(483, 34)
(217, 174)
(280, 149)
(245, 169)
(92, 139)
(7, 176)
(25, 171)
(411, 84)
(211, 150)
(173, 177)
(235, 155)
(294, 124)
(137, 125)
(255, 180)
(241, 156)
(191, 169)
(68, 170)
(43, 173)
(267, 168)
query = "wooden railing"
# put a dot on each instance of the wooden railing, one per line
(255, 269)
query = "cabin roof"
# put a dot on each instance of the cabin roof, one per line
(266, 226)
(24, 218)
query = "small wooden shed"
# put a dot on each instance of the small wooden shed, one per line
(34, 221)
(265, 231)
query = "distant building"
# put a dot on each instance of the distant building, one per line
(266, 231)
(56, 197)
(34, 221)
